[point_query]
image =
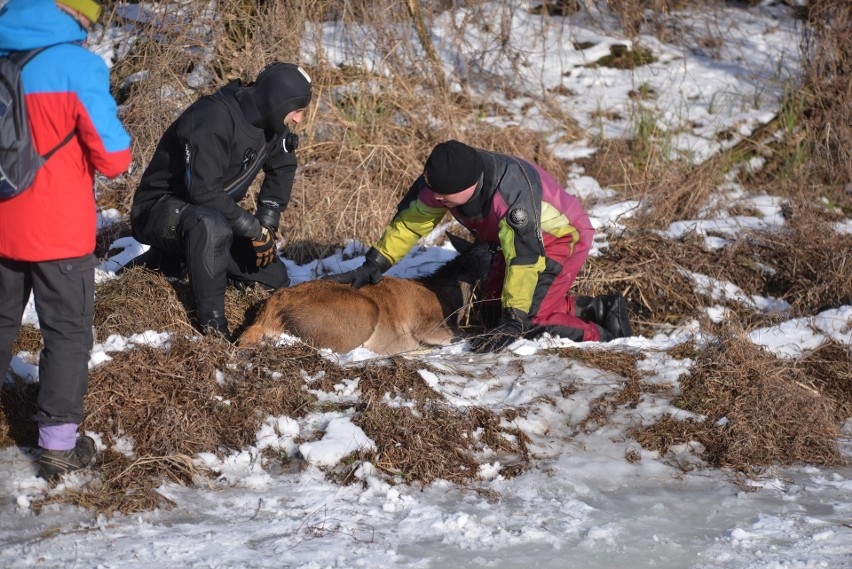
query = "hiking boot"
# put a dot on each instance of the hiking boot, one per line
(55, 463)
(608, 311)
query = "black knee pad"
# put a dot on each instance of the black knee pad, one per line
(208, 237)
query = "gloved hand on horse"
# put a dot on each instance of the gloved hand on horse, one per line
(369, 273)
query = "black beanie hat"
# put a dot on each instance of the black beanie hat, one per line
(279, 89)
(452, 167)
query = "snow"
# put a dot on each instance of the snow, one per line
(582, 504)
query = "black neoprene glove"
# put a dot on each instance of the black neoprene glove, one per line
(369, 273)
(513, 324)
(264, 247)
(269, 217)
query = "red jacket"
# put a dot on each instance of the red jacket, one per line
(66, 88)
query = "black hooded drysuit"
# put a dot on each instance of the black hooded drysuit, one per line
(187, 204)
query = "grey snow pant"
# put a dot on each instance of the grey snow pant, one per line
(64, 293)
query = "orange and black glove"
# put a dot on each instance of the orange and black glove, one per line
(264, 247)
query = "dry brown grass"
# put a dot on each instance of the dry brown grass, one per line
(201, 394)
(806, 263)
(828, 84)
(426, 438)
(829, 370)
(28, 340)
(649, 270)
(811, 262)
(364, 141)
(630, 385)
(759, 410)
(367, 133)
(198, 395)
(141, 300)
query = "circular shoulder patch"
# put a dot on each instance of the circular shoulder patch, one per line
(518, 217)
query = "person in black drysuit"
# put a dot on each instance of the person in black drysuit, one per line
(186, 205)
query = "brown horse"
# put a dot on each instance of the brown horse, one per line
(396, 315)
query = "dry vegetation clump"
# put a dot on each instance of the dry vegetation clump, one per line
(242, 304)
(759, 410)
(806, 263)
(28, 340)
(436, 440)
(621, 363)
(433, 443)
(108, 235)
(199, 395)
(139, 300)
(652, 272)
(631, 385)
(829, 369)
(645, 268)
(811, 263)
(420, 437)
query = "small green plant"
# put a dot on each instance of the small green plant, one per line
(643, 92)
(711, 106)
(792, 109)
(622, 57)
(646, 133)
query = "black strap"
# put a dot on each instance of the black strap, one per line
(65, 141)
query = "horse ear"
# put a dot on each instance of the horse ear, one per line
(460, 244)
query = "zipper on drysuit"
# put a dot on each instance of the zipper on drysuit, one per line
(248, 172)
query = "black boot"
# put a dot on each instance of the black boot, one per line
(214, 322)
(567, 332)
(608, 311)
(605, 335)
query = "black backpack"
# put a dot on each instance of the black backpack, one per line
(19, 160)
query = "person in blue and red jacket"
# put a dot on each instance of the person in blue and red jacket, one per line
(542, 231)
(47, 233)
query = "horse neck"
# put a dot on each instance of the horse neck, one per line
(446, 285)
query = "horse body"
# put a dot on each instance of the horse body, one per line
(396, 315)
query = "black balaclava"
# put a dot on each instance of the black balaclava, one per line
(452, 167)
(278, 90)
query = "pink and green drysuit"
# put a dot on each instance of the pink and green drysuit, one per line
(542, 231)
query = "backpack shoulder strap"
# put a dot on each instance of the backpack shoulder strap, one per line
(24, 56)
(21, 58)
